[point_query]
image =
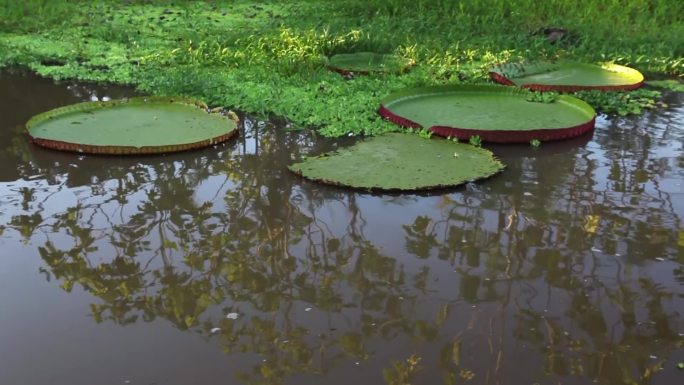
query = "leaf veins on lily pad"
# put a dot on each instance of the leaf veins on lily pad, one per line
(400, 162)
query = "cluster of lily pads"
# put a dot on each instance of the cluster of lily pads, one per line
(474, 113)
(391, 162)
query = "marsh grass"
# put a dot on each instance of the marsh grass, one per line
(268, 57)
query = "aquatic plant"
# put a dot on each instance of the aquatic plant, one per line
(621, 103)
(400, 162)
(475, 140)
(142, 125)
(367, 63)
(542, 97)
(452, 111)
(568, 76)
(669, 84)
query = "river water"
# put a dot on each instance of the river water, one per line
(220, 267)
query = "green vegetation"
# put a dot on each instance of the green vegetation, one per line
(368, 62)
(621, 103)
(400, 162)
(670, 84)
(536, 143)
(269, 57)
(475, 140)
(542, 97)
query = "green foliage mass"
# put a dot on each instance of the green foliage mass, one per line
(269, 57)
(670, 84)
(542, 97)
(620, 103)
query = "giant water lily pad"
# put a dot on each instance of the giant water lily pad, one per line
(567, 76)
(494, 113)
(400, 162)
(131, 126)
(368, 62)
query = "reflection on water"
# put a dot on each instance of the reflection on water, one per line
(568, 268)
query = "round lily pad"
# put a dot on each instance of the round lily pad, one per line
(400, 162)
(367, 62)
(494, 113)
(567, 76)
(145, 125)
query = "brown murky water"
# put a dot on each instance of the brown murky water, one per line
(219, 267)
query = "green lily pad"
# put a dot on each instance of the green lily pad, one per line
(400, 162)
(131, 126)
(367, 62)
(494, 113)
(567, 76)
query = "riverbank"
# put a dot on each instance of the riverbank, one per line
(268, 57)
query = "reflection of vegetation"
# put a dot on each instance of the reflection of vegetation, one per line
(554, 270)
(402, 372)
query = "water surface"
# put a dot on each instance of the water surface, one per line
(220, 267)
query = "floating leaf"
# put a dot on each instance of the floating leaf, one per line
(367, 62)
(491, 113)
(567, 76)
(130, 126)
(400, 162)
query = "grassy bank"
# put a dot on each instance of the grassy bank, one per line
(268, 57)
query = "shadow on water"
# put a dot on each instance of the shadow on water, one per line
(565, 269)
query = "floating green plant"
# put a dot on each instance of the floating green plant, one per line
(400, 162)
(669, 84)
(621, 103)
(131, 126)
(368, 62)
(493, 113)
(542, 97)
(475, 140)
(567, 76)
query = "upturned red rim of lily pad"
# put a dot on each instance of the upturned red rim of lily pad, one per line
(567, 76)
(494, 113)
(133, 126)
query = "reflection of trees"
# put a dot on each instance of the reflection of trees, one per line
(192, 238)
(570, 265)
(143, 241)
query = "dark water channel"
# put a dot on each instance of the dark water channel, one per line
(219, 267)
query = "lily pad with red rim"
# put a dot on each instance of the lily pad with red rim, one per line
(145, 125)
(567, 76)
(368, 62)
(400, 162)
(494, 113)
